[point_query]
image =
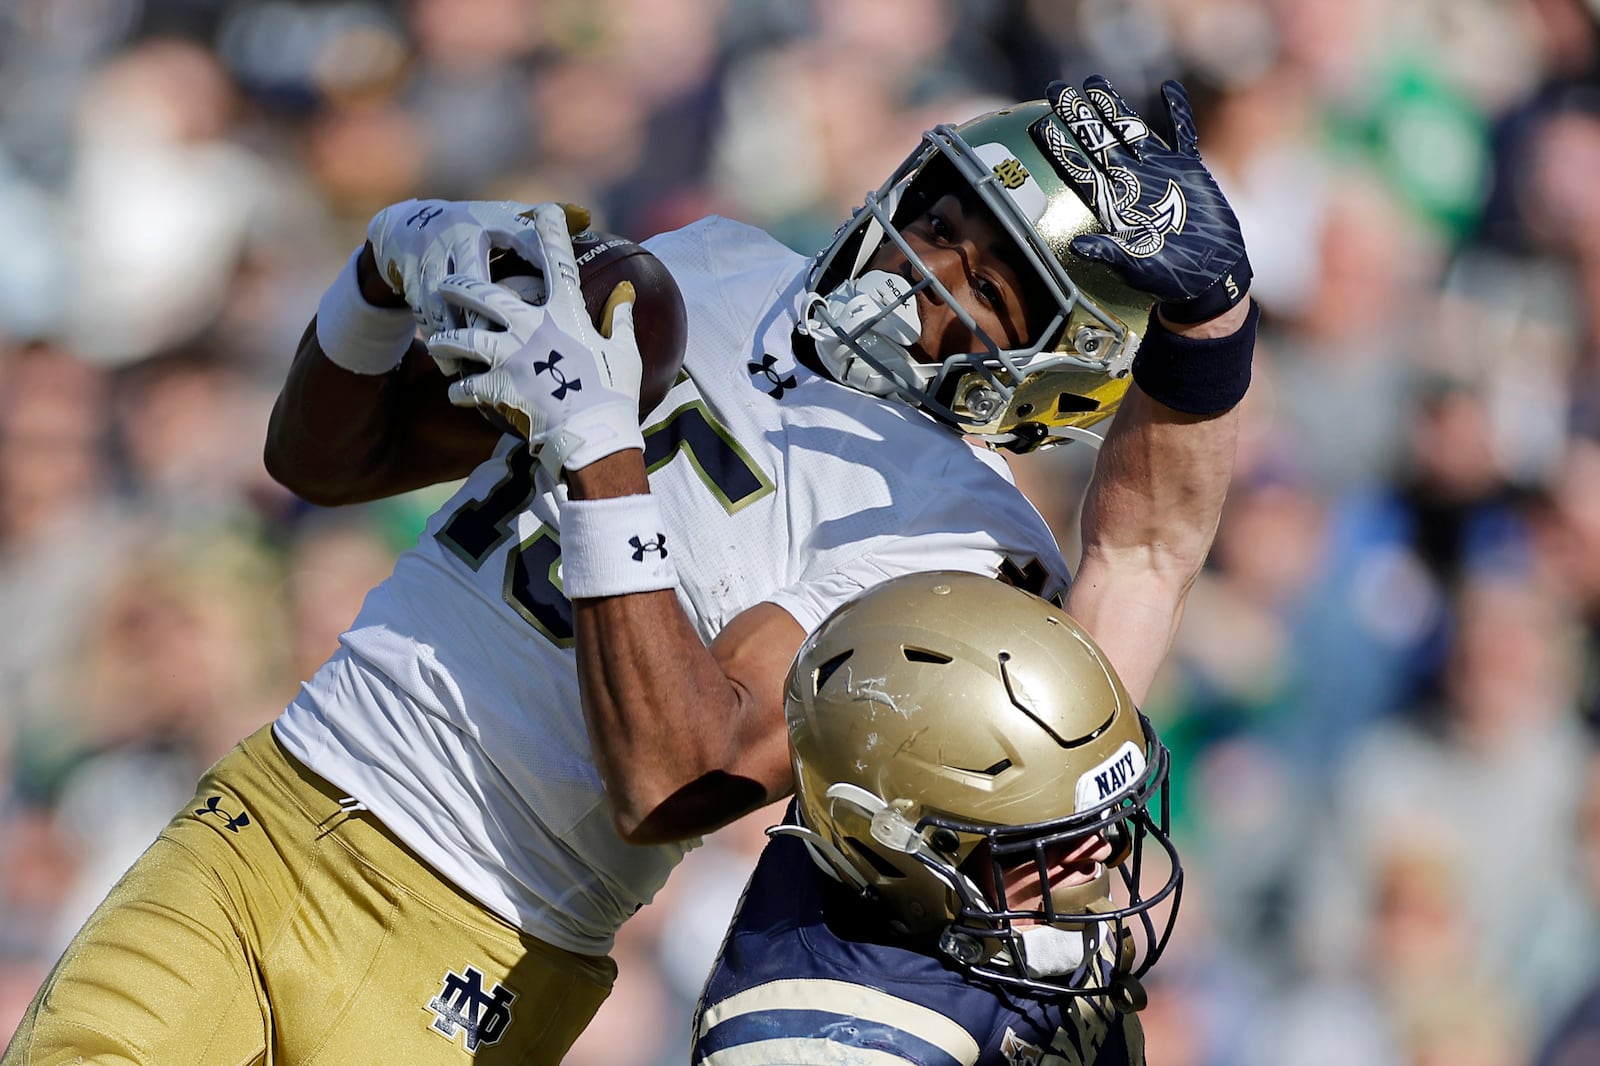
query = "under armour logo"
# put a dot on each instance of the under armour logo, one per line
(562, 384)
(231, 822)
(425, 216)
(658, 546)
(780, 382)
(463, 1006)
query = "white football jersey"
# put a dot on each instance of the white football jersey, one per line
(452, 710)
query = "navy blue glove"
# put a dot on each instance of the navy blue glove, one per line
(1169, 229)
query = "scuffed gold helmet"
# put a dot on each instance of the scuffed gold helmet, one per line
(946, 727)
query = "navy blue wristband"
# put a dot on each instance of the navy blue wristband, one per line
(1198, 376)
(1228, 290)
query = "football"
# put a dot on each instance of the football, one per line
(605, 260)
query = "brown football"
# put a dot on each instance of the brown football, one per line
(660, 325)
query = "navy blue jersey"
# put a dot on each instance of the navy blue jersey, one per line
(788, 988)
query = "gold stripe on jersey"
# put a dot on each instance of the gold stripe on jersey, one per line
(846, 998)
(802, 1051)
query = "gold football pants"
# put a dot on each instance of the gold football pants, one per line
(268, 924)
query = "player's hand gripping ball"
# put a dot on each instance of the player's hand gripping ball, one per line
(553, 351)
(416, 244)
(605, 260)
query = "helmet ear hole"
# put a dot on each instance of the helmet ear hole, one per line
(1071, 403)
(828, 669)
(868, 855)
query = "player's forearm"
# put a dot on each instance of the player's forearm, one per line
(1153, 504)
(682, 748)
(338, 437)
(687, 738)
(1149, 517)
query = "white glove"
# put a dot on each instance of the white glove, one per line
(418, 243)
(571, 389)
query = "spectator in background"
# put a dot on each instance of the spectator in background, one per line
(1571, 1028)
(1364, 581)
(1516, 216)
(62, 534)
(1566, 528)
(1416, 994)
(161, 200)
(1566, 214)
(1342, 380)
(186, 463)
(185, 653)
(467, 91)
(38, 868)
(333, 559)
(1501, 757)
(1453, 505)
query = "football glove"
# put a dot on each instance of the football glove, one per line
(1169, 229)
(418, 243)
(571, 389)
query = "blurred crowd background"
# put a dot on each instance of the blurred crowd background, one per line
(1385, 695)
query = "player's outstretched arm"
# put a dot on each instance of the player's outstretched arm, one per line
(1153, 504)
(1149, 516)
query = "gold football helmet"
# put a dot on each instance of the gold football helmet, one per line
(1071, 375)
(956, 740)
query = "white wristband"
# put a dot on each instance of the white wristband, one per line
(614, 546)
(357, 336)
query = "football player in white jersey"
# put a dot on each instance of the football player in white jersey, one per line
(578, 669)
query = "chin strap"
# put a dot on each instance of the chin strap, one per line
(872, 315)
(1078, 433)
(1049, 951)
